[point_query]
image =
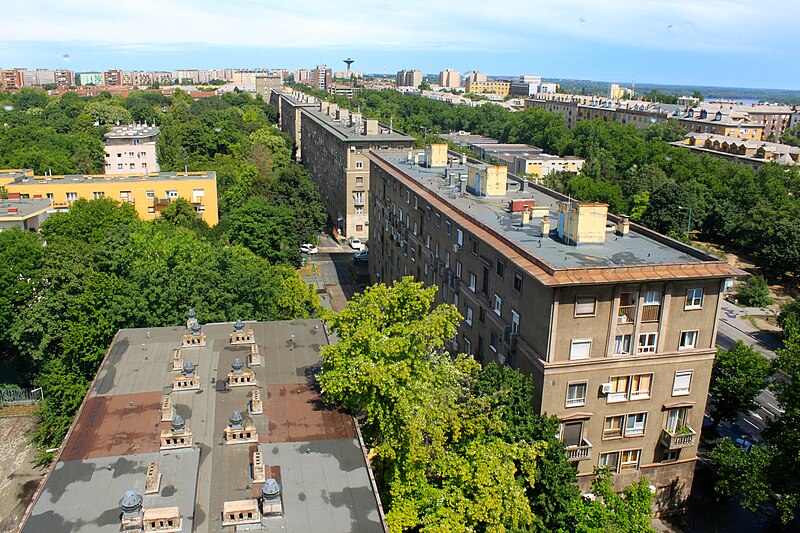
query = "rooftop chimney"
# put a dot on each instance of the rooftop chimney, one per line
(582, 222)
(526, 216)
(371, 126)
(623, 225)
(131, 505)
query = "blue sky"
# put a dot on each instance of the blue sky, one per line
(709, 42)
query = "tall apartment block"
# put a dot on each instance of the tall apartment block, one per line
(321, 77)
(332, 144)
(131, 149)
(148, 193)
(409, 78)
(615, 323)
(449, 79)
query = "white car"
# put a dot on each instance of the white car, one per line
(308, 249)
(361, 255)
(356, 244)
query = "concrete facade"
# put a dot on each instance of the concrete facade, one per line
(131, 149)
(617, 330)
(409, 78)
(449, 79)
(148, 193)
(332, 144)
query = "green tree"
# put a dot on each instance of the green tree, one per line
(629, 512)
(789, 320)
(266, 229)
(738, 376)
(754, 292)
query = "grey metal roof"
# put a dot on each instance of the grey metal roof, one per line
(633, 249)
(25, 207)
(322, 467)
(354, 134)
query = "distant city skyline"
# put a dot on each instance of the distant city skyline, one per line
(727, 43)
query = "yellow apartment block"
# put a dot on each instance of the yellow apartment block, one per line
(149, 193)
(500, 88)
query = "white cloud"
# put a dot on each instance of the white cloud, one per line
(519, 25)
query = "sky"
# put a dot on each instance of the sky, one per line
(732, 43)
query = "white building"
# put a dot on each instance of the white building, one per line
(131, 149)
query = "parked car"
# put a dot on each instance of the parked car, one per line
(356, 244)
(361, 255)
(308, 249)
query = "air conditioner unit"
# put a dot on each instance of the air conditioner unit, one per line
(605, 388)
(456, 248)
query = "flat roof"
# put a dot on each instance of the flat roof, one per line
(26, 207)
(312, 449)
(497, 147)
(133, 131)
(21, 179)
(464, 139)
(355, 133)
(641, 248)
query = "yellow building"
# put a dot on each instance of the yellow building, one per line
(500, 88)
(149, 193)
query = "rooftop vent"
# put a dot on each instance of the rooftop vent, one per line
(236, 420)
(196, 328)
(237, 366)
(271, 490)
(131, 503)
(238, 327)
(178, 424)
(188, 369)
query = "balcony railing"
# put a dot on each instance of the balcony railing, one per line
(651, 312)
(627, 314)
(580, 453)
(674, 440)
(161, 201)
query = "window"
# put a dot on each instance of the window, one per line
(580, 349)
(619, 389)
(119, 166)
(97, 195)
(647, 343)
(132, 165)
(640, 386)
(458, 269)
(622, 344)
(682, 382)
(472, 281)
(517, 282)
(358, 197)
(359, 181)
(652, 297)
(449, 228)
(172, 194)
(501, 268)
(151, 209)
(514, 322)
(360, 164)
(459, 237)
(670, 456)
(498, 304)
(630, 459)
(359, 210)
(576, 394)
(438, 220)
(694, 299)
(677, 418)
(585, 305)
(469, 314)
(609, 460)
(688, 340)
(151, 194)
(467, 345)
(119, 154)
(400, 215)
(408, 196)
(493, 341)
(634, 424)
(49, 196)
(482, 315)
(612, 427)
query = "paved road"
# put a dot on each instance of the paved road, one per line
(733, 328)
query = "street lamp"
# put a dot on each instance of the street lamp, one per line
(689, 223)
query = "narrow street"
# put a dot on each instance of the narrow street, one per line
(338, 276)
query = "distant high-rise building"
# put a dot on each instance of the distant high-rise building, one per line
(449, 78)
(409, 78)
(11, 79)
(112, 77)
(90, 78)
(476, 76)
(321, 77)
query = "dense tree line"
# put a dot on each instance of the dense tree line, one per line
(455, 447)
(635, 171)
(65, 291)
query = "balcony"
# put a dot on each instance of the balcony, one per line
(161, 201)
(580, 453)
(651, 312)
(627, 314)
(681, 438)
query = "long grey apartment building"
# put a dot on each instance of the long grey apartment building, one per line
(615, 323)
(332, 143)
